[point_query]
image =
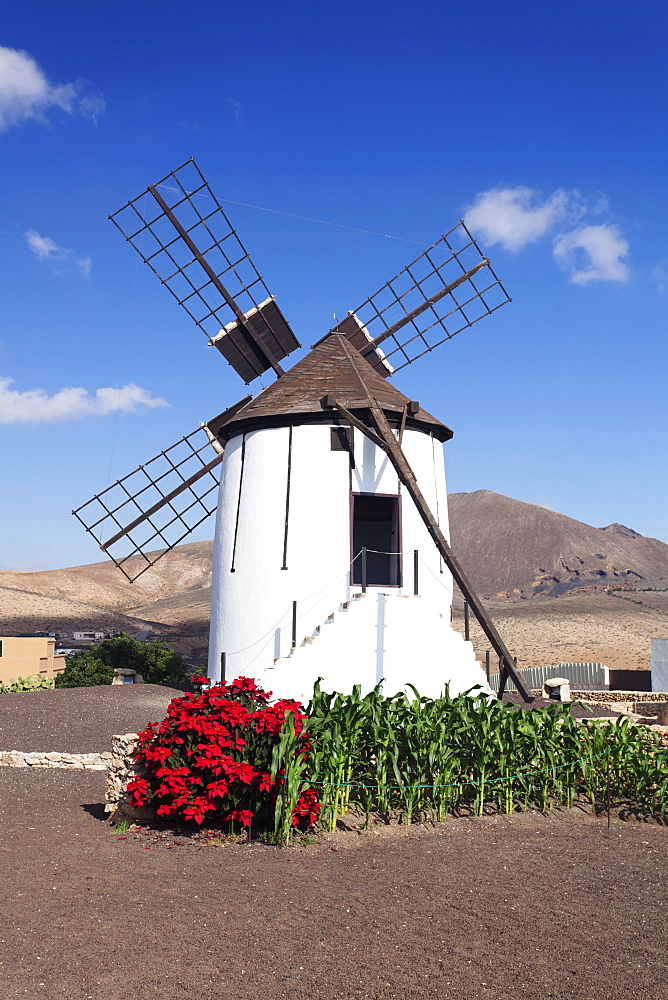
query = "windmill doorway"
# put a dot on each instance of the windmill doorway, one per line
(376, 524)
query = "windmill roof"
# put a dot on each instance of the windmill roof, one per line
(328, 369)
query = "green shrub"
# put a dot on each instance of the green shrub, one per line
(153, 660)
(32, 683)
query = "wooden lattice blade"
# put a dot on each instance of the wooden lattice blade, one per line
(181, 231)
(156, 506)
(445, 290)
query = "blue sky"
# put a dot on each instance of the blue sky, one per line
(544, 125)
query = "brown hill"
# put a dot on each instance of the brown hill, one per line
(510, 548)
(174, 591)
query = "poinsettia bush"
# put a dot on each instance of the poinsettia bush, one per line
(225, 754)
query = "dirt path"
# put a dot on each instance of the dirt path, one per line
(526, 907)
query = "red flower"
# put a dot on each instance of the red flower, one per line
(239, 770)
(264, 781)
(138, 789)
(217, 789)
(243, 816)
(307, 808)
(197, 809)
(212, 753)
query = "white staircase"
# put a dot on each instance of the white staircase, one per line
(378, 637)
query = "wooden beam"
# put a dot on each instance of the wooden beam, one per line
(407, 477)
(248, 330)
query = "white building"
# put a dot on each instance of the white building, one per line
(301, 494)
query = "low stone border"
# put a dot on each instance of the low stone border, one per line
(73, 761)
(121, 769)
(614, 696)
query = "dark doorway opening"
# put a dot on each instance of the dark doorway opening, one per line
(376, 525)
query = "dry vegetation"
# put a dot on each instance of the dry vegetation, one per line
(590, 627)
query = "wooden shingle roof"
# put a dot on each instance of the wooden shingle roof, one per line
(328, 369)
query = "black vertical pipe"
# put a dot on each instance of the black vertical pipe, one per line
(287, 501)
(294, 624)
(466, 621)
(487, 664)
(364, 569)
(503, 677)
(223, 664)
(415, 573)
(241, 482)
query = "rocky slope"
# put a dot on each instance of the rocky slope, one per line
(516, 549)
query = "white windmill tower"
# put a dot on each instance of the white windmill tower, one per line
(330, 560)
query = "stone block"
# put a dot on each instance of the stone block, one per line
(557, 689)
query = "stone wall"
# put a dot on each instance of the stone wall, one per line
(121, 769)
(614, 696)
(76, 761)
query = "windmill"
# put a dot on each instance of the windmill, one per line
(331, 551)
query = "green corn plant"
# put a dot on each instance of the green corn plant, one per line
(413, 757)
(290, 766)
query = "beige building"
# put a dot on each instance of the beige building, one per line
(26, 656)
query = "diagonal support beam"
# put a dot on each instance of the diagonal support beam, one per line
(407, 477)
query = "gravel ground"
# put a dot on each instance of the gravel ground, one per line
(520, 907)
(498, 908)
(79, 720)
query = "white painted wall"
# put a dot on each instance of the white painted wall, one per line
(251, 612)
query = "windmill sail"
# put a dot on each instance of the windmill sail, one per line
(152, 509)
(445, 290)
(180, 230)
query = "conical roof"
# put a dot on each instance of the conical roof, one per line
(296, 396)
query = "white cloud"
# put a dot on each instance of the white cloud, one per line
(45, 248)
(26, 93)
(592, 253)
(541, 501)
(35, 406)
(236, 107)
(515, 217)
(659, 273)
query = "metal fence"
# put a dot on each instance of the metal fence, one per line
(589, 674)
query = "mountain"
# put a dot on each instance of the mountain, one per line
(175, 590)
(508, 549)
(515, 549)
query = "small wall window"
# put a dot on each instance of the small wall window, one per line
(0, 647)
(376, 525)
(341, 439)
